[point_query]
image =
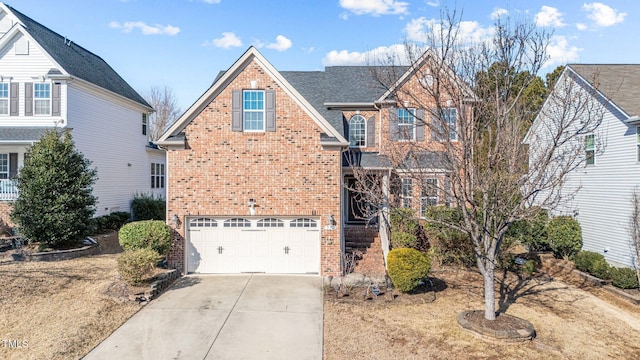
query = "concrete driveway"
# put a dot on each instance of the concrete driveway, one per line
(247, 316)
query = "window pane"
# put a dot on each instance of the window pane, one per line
(4, 107)
(4, 91)
(253, 110)
(4, 166)
(357, 131)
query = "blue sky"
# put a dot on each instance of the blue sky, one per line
(183, 44)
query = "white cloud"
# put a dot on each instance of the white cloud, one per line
(498, 13)
(281, 44)
(227, 40)
(157, 29)
(378, 55)
(581, 26)
(433, 3)
(374, 7)
(560, 52)
(549, 16)
(419, 30)
(603, 15)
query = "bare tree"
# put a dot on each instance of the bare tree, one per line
(476, 121)
(166, 105)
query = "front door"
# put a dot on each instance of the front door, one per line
(356, 206)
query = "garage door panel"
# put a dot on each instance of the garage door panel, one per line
(261, 245)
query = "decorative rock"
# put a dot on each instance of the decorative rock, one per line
(517, 331)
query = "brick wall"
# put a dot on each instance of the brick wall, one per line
(286, 171)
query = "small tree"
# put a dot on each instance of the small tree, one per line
(167, 110)
(56, 204)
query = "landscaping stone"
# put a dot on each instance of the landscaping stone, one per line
(505, 328)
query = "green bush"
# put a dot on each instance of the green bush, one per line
(592, 263)
(148, 234)
(136, 265)
(56, 201)
(148, 207)
(403, 240)
(403, 220)
(407, 268)
(531, 232)
(565, 236)
(624, 278)
(450, 246)
(107, 223)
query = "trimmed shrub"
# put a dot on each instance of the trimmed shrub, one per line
(624, 278)
(407, 268)
(403, 240)
(148, 234)
(592, 263)
(565, 236)
(56, 201)
(136, 265)
(148, 207)
(107, 223)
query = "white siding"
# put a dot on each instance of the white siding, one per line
(27, 68)
(108, 132)
(602, 203)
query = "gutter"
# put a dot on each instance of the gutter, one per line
(634, 120)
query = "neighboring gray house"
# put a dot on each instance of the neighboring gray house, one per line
(46, 81)
(611, 172)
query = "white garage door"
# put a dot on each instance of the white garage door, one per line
(269, 245)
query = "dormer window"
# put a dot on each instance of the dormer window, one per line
(357, 131)
(42, 98)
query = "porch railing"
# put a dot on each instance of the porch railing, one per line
(8, 190)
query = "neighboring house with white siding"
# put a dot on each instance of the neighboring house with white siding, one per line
(47, 81)
(611, 173)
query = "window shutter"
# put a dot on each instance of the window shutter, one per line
(393, 124)
(55, 100)
(436, 128)
(236, 110)
(13, 101)
(270, 110)
(28, 99)
(13, 165)
(371, 131)
(419, 122)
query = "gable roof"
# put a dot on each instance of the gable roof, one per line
(172, 135)
(620, 83)
(74, 59)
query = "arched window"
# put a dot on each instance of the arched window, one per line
(357, 131)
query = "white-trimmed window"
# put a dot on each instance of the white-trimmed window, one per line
(406, 192)
(270, 222)
(429, 195)
(203, 222)
(157, 176)
(144, 124)
(236, 222)
(590, 149)
(4, 166)
(253, 110)
(449, 116)
(406, 124)
(4, 98)
(357, 131)
(42, 98)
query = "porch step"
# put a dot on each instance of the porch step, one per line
(366, 244)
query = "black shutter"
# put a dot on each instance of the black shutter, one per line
(419, 123)
(270, 110)
(28, 99)
(236, 110)
(13, 99)
(55, 100)
(371, 131)
(393, 124)
(13, 165)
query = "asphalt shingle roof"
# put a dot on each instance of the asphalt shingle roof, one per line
(22, 133)
(618, 82)
(78, 61)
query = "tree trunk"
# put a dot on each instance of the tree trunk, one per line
(489, 294)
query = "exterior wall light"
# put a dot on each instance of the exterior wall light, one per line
(252, 206)
(175, 220)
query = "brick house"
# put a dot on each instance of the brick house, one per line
(260, 166)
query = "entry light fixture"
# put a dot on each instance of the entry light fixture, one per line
(252, 206)
(175, 220)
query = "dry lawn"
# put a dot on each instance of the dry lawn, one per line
(60, 308)
(570, 320)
